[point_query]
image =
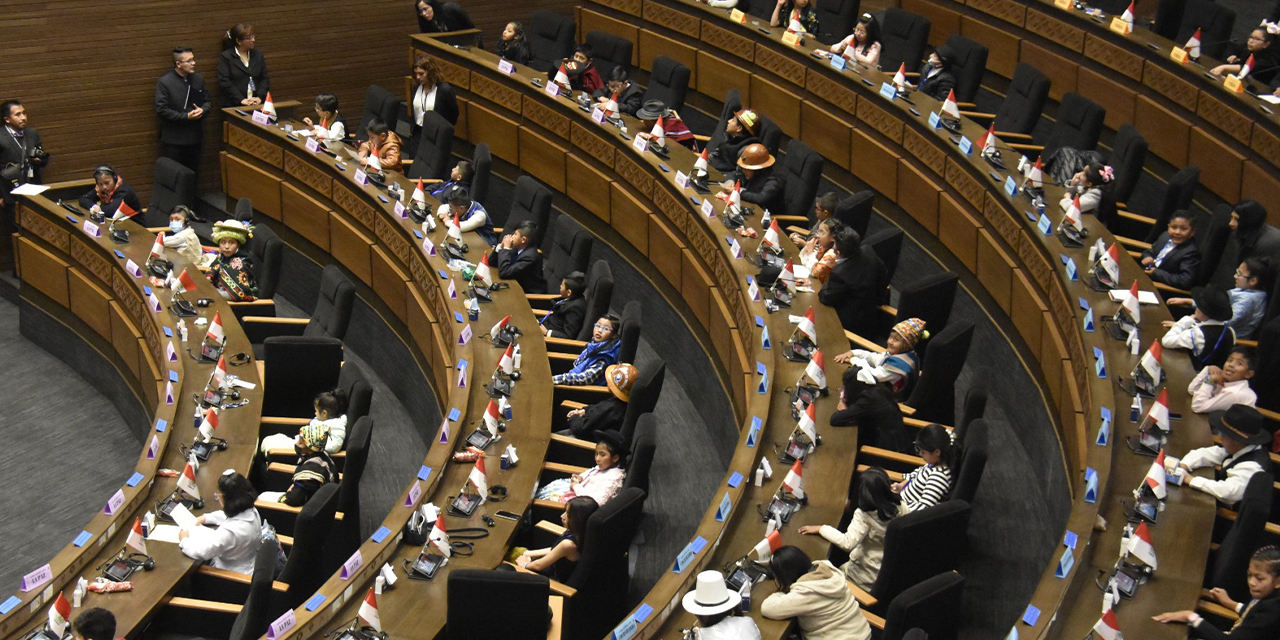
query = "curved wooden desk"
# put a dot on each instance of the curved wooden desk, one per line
(960, 199)
(82, 281)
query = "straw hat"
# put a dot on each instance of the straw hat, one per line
(234, 229)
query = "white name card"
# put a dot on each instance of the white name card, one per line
(707, 209)
(284, 623)
(115, 502)
(597, 114)
(132, 268)
(401, 210)
(682, 180)
(639, 143)
(506, 67)
(313, 145)
(415, 492)
(92, 229)
(37, 578)
(361, 177)
(352, 565)
(553, 89)
(261, 117)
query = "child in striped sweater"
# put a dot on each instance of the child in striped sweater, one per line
(931, 483)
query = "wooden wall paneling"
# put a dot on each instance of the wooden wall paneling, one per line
(1234, 123)
(349, 245)
(1008, 10)
(1266, 144)
(1060, 70)
(149, 379)
(665, 248)
(90, 303)
(995, 269)
(958, 230)
(305, 215)
(1116, 97)
(630, 217)
(653, 45)
(825, 132)
(1223, 166)
(1114, 57)
(125, 340)
(695, 284)
(1004, 52)
(875, 162)
(246, 180)
(498, 130)
(716, 77)
(587, 185)
(918, 195)
(1071, 416)
(589, 21)
(944, 21)
(44, 271)
(782, 106)
(721, 330)
(542, 158)
(1175, 131)
(739, 379)
(421, 328)
(1027, 308)
(389, 282)
(1053, 354)
(1261, 184)
(1055, 30)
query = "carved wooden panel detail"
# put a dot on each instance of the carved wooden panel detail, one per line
(677, 21)
(130, 297)
(880, 120)
(728, 41)
(1006, 10)
(1217, 113)
(999, 219)
(1266, 144)
(1055, 30)
(594, 145)
(1169, 85)
(99, 266)
(928, 153)
(392, 237)
(152, 339)
(44, 229)
(544, 116)
(426, 278)
(251, 144)
(308, 174)
(1113, 57)
(632, 7)
(832, 91)
(455, 74)
(784, 67)
(501, 95)
(354, 205)
(964, 184)
(635, 175)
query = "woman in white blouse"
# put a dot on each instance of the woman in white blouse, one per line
(328, 126)
(431, 93)
(863, 45)
(233, 541)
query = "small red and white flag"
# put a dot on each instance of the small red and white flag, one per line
(136, 540)
(1155, 479)
(369, 611)
(440, 537)
(949, 106)
(218, 379)
(1035, 174)
(611, 107)
(59, 615)
(817, 369)
(900, 78)
(988, 141)
(507, 363)
(482, 269)
(788, 276)
(562, 76)
(269, 105)
(1110, 263)
(478, 478)
(794, 26)
(187, 482)
(209, 423)
(185, 281)
(658, 133)
(492, 417)
(794, 482)
(420, 193)
(499, 326)
(1130, 304)
(1073, 216)
(1193, 45)
(1140, 545)
(157, 247)
(808, 422)
(1127, 16)
(126, 211)
(772, 234)
(454, 230)
(1152, 361)
(1244, 73)
(1107, 628)
(1159, 412)
(807, 327)
(735, 196)
(701, 163)
(216, 335)
(765, 548)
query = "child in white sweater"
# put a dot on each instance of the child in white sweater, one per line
(331, 411)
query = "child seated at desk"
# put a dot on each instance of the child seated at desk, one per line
(602, 351)
(181, 236)
(328, 126)
(1259, 618)
(471, 215)
(313, 470)
(565, 318)
(232, 269)
(863, 540)
(330, 412)
(1241, 454)
(718, 610)
(601, 482)
(815, 594)
(1174, 258)
(588, 422)
(1204, 332)
(1088, 183)
(1217, 389)
(894, 365)
(560, 559)
(930, 483)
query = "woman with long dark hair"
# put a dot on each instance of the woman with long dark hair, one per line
(559, 560)
(814, 593)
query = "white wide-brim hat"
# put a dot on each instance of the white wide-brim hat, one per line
(710, 596)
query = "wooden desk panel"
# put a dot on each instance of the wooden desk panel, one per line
(305, 215)
(350, 247)
(918, 195)
(825, 133)
(389, 282)
(1003, 48)
(1053, 30)
(665, 248)
(90, 303)
(46, 272)
(1007, 10)
(995, 269)
(716, 76)
(1262, 185)
(652, 45)
(943, 21)
(588, 186)
(958, 231)
(1117, 98)
(1116, 58)
(1175, 131)
(1060, 70)
(1223, 166)
(242, 177)
(544, 158)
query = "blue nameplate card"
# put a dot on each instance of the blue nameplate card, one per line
(935, 121)
(1031, 215)
(443, 274)
(381, 534)
(643, 612)
(753, 436)
(161, 424)
(82, 539)
(454, 414)
(134, 479)
(1044, 225)
(735, 479)
(383, 199)
(424, 472)
(9, 604)
(685, 558)
(1100, 367)
(168, 333)
(1010, 187)
(759, 321)
(888, 91)
(457, 316)
(1090, 485)
(120, 254)
(146, 290)
(315, 602)
(1088, 320)
(1084, 304)
(1104, 430)
(1065, 563)
(764, 338)
(698, 544)
(1031, 616)
(418, 234)
(1071, 270)
(838, 62)
(624, 631)
(1070, 539)
(173, 376)
(722, 513)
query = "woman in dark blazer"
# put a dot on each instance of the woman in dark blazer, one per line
(1174, 258)
(431, 93)
(242, 70)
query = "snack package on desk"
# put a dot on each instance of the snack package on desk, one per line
(102, 585)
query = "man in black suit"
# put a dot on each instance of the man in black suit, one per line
(21, 157)
(857, 283)
(181, 103)
(519, 261)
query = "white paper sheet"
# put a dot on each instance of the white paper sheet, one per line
(1144, 297)
(182, 516)
(164, 533)
(29, 189)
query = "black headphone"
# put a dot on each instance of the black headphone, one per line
(107, 169)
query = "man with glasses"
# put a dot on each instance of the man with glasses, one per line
(181, 103)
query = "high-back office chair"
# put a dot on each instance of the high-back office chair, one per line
(644, 398)
(732, 104)
(855, 211)
(904, 36)
(931, 299)
(934, 396)
(968, 60)
(632, 321)
(523, 596)
(932, 608)
(243, 618)
(435, 144)
(758, 8)
(1178, 20)
(643, 446)
(971, 462)
(531, 201)
(975, 406)
(568, 249)
(601, 580)
(1266, 379)
(599, 296)
(550, 38)
(668, 82)
(610, 51)
(452, 14)
(267, 252)
(380, 103)
(1020, 110)
(1128, 157)
(1147, 212)
(769, 132)
(345, 537)
(836, 19)
(257, 612)
(887, 243)
(295, 369)
(173, 184)
(304, 572)
(1229, 565)
(482, 163)
(1078, 125)
(917, 546)
(802, 171)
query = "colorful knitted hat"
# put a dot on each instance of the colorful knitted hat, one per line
(911, 330)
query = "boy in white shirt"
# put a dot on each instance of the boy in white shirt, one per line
(1217, 389)
(1240, 455)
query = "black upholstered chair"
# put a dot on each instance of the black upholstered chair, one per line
(610, 51)
(1178, 20)
(732, 103)
(836, 19)
(855, 211)
(975, 406)
(1020, 110)
(917, 546)
(929, 298)
(550, 38)
(802, 171)
(600, 581)
(1078, 126)
(904, 36)
(758, 8)
(887, 243)
(644, 398)
(435, 144)
(523, 596)
(770, 133)
(1127, 158)
(1147, 212)
(1229, 565)
(1266, 380)
(530, 201)
(330, 318)
(599, 296)
(668, 82)
(971, 462)
(345, 537)
(267, 252)
(239, 620)
(453, 15)
(930, 609)
(380, 103)
(173, 185)
(933, 397)
(643, 446)
(567, 249)
(632, 321)
(482, 163)
(968, 60)
(295, 369)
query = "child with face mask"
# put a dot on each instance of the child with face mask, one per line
(181, 236)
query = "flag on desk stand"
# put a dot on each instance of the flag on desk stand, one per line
(900, 78)
(440, 536)
(611, 107)
(1110, 263)
(492, 418)
(807, 327)
(765, 548)
(482, 270)
(1127, 16)
(368, 613)
(187, 482)
(507, 363)
(59, 615)
(218, 379)
(209, 423)
(478, 478)
(1244, 73)
(808, 422)
(988, 141)
(701, 163)
(1158, 415)
(949, 106)
(772, 234)
(157, 247)
(126, 211)
(1152, 361)
(788, 276)
(1193, 45)
(816, 369)
(185, 281)
(420, 194)
(1155, 480)
(269, 106)
(562, 76)
(1130, 305)
(735, 196)
(215, 334)
(795, 27)
(499, 326)
(658, 133)
(1072, 216)
(136, 540)
(454, 231)
(1035, 174)
(1107, 627)
(794, 482)
(1140, 545)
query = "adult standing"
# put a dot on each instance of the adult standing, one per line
(431, 93)
(21, 156)
(242, 70)
(181, 103)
